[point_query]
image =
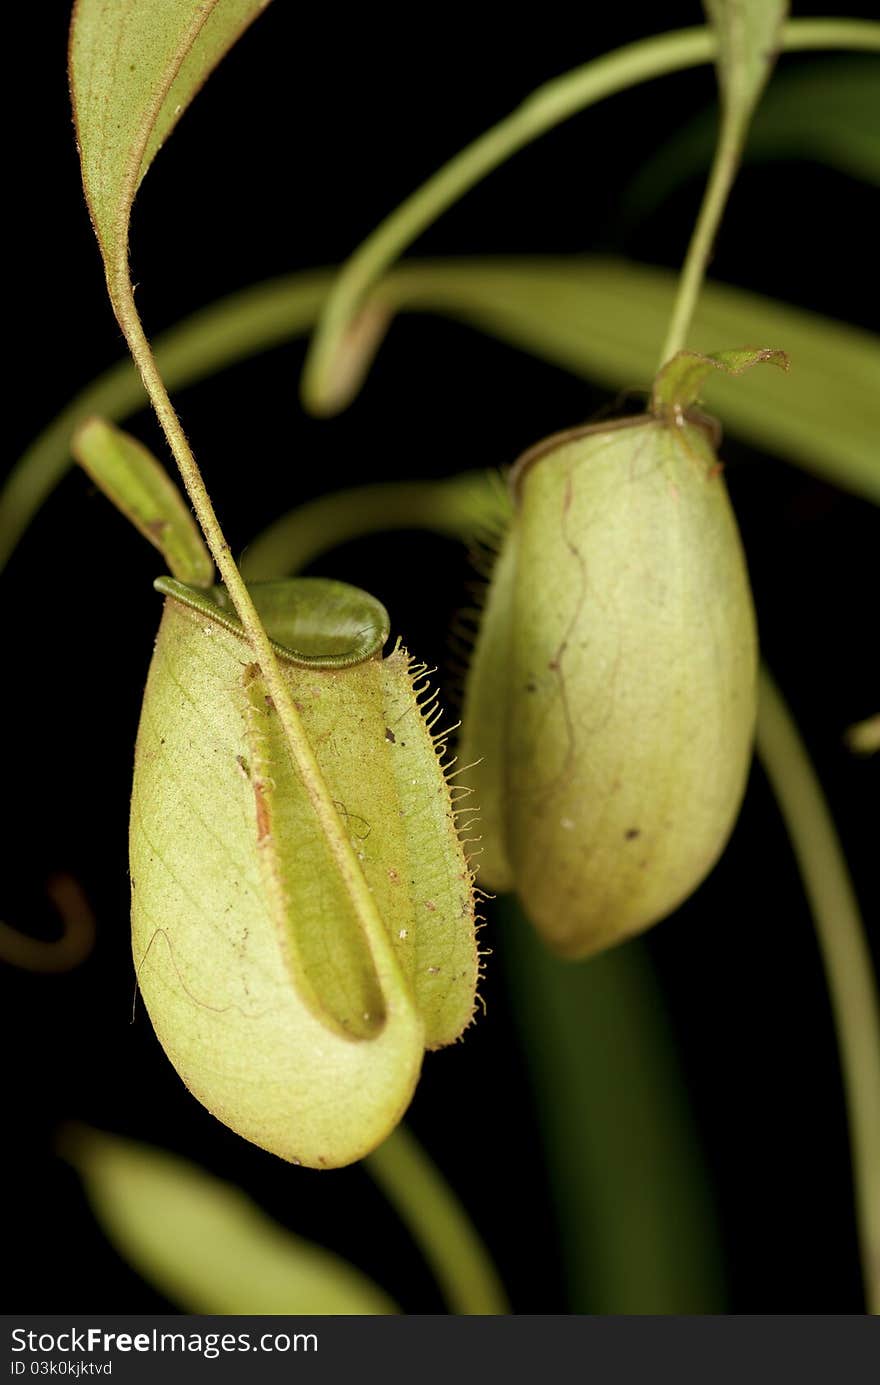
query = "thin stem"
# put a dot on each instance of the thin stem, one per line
(721, 179)
(301, 752)
(545, 108)
(439, 1225)
(845, 956)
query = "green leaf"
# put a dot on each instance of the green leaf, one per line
(135, 65)
(202, 1243)
(129, 475)
(678, 385)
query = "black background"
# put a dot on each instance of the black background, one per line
(312, 130)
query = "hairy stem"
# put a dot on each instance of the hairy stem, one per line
(439, 1226)
(845, 956)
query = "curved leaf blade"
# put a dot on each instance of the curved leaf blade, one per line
(202, 1243)
(135, 65)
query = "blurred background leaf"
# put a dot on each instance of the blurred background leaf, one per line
(632, 1192)
(596, 316)
(603, 317)
(822, 111)
(201, 1242)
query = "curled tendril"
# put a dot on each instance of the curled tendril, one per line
(60, 954)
